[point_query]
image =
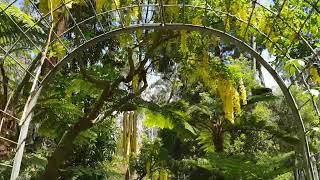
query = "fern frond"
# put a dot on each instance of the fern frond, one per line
(9, 32)
(241, 167)
(169, 116)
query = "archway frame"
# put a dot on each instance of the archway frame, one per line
(173, 26)
(246, 48)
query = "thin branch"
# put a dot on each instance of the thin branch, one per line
(98, 82)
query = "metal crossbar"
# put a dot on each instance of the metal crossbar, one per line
(291, 28)
(248, 24)
(17, 62)
(7, 165)
(161, 12)
(146, 17)
(301, 27)
(41, 18)
(48, 24)
(276, 17)
(250, 17)
(206, 13)
(25, 34)
(5, 109)
(95, 14)
(162, 19)
(10, 4)
(4, 112)
(140, 12)
(227, 14)
(184, 11)
(119, 13)
(74, 21)
(8, 140)
(19, 28)
(201, 7)
(315, 6)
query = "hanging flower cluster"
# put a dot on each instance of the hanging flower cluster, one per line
(230, 99)
(314, 73)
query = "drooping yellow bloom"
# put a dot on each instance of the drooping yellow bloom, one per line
(314, 74)
(236, 102)
(230, 99)
(183, 46)
(227, 23)
(242, 92)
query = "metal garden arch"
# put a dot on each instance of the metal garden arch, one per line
(162, 24)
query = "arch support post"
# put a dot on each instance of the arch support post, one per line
(304, 146)
(25, 122)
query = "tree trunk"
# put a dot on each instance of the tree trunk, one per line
(4, 98)
(66, 145)
(124, 134)
(219, 148)
(133, 138)
(64, 149)
(218, 140)
(127, 174)
(260, 75)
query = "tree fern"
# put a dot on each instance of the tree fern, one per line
(172, 116)
(9, 32)
(240, 167)
(205, 141)
(154, 119)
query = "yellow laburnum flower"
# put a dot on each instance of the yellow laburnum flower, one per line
(314, 74)
(236, 102)
(230, 98)
(183, 46)
(227, 94)
(243, 93)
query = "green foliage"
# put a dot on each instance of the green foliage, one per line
(205, 141)
(292, 65)
(309, 116)
(94, 148)
(254, 139)
(195, 140)
(52, 113)
(261, 112)
(150, 159)
(157, 120)
(9, 32)
(303, 99)
(80, 86)
(239, 167)
(170, 116)
(56, 50)
(32, 164)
